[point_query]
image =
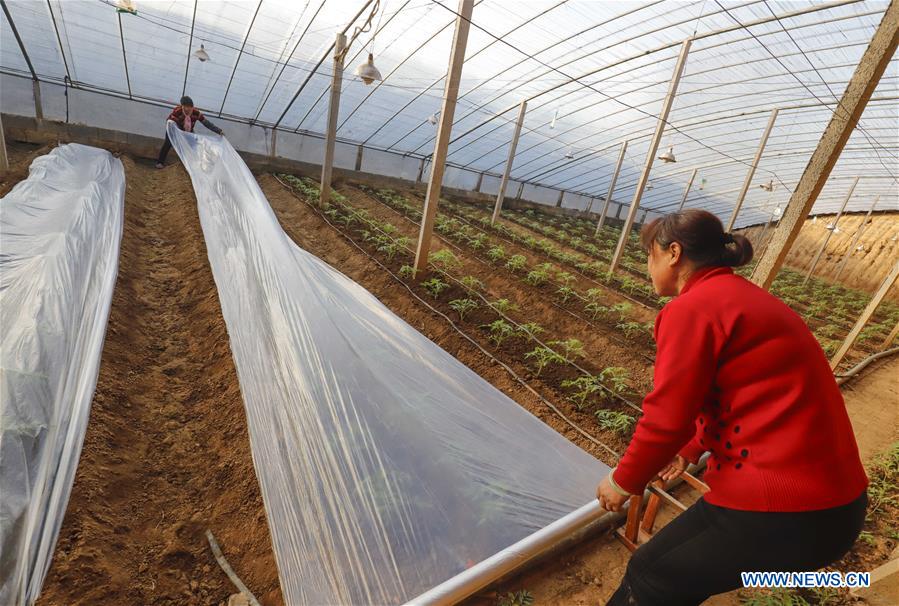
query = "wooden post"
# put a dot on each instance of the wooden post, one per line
(421, 171)
(477, 186)
(520, 191)
(451, 91)
(687, 190)
(505, 180)
(829, 233)
(651, 154)
(359, 158)
(891, 337)
(751, 173)
(38, 107)
(559, 201)
(866, 315)
(605, 206)
(273, 151)
(858, 235)
(842, 123)
(4, 159)
(333, 108)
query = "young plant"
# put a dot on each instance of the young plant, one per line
(517, 262)
(522, 597)
(478, 242)
(500, 330)
(631, 328)
(537, 276)
(617, 422)
(444, 259)
(616, 379)
(595, 309)
(572, 348)
(463, 306)
(503, 306)
(529, 329)
(566, 292)
(583, 388)
(622, 309)
(564, 277)
(543, 357)
(407, 271)
(496, 253)
(472, 284)
(434, 286)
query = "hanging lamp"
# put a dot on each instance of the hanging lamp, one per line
(668, 156)
(125, 6)
(201, 54)
(367, 71)
(769, 186)
(569, 155)
(433, 118)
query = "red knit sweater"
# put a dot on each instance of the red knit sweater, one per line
(739, 373)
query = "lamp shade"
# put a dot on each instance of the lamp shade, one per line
(367, 71)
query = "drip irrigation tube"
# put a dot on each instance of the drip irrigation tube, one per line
(855, 370)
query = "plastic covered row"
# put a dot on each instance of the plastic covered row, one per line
(386, 465)
(60, 231)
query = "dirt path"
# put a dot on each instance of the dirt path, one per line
(872, 400)
(166, 454)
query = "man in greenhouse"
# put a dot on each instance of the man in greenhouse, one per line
(740, 374)
(185, 117)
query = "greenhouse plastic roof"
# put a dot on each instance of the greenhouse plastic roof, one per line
(594, 73)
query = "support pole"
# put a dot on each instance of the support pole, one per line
(421, 171)
(477, 186)
(359, 158)
(866, 315)
(845, 117)
(38, 107)
(333, 109)
(605, 206)
(751, 173)
(451, 92)
(829, 233)
(559, 200)
(274, 149)
(687, 190)
(4, 159)
(651, 154)
(858, 235)
(505, 181)
(891, 337)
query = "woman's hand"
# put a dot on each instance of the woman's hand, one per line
(676, 467)
(609, 498)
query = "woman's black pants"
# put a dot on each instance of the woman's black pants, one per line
(166, 146)
(703, 550)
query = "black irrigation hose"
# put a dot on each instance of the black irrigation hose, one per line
(462, 333)
(610, 336)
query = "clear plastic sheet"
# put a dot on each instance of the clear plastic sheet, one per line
(386, 465)
(60, 231)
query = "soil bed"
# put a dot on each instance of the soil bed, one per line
(166, 454)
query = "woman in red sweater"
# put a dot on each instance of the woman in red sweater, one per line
(737, 373)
